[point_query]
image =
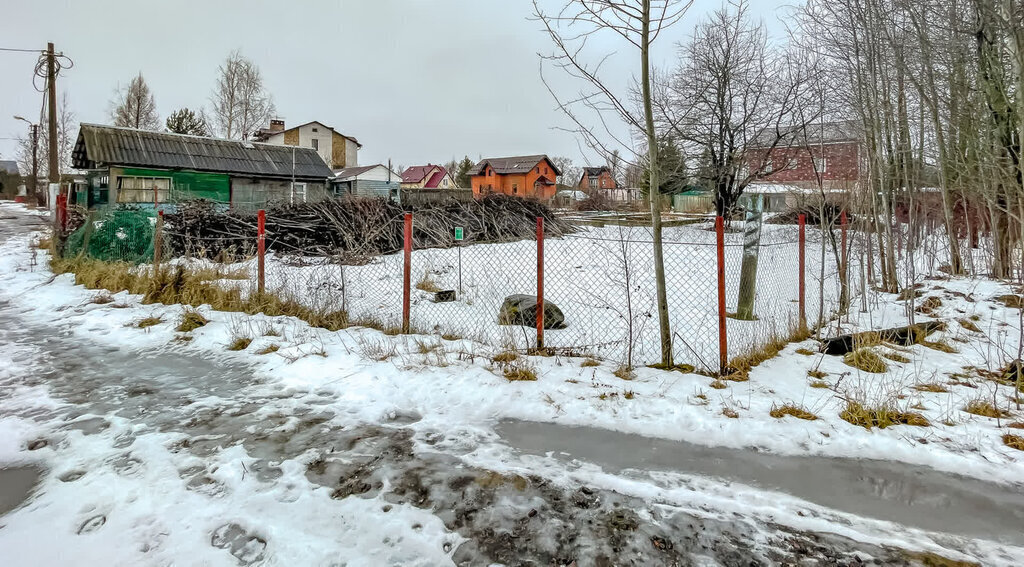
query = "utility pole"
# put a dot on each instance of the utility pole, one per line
(35, 160)
(51, 83)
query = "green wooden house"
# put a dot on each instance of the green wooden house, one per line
(139, 167)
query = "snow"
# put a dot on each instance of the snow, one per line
(460, 394)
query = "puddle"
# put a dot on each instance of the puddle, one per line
(16, 485)
(904, 494)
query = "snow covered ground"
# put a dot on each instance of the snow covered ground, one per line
(234, 456)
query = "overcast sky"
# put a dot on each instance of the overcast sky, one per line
(414, 81)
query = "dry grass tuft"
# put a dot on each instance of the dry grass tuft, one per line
(930, 559)
(102, 299)
(866, 360)
(624, 372)
(792, 410)
(895, 356)
(739, 367)
(730, 413)
(1011, 301)
(590, 363)
(805, 351)
(984, 408)
(268, 350)
(929, 305)
(191, 320)
(427, 284)
(505, 357)
(820, 384)
(240, 343)
(149, 322)
(629, 394)
(520, 373)
(941, 346)
(451, 337)
(1013, 441)
(931, 387)
(814, 373)
(1016, 425)
(969, 325)
(881, 416)
(718, 385)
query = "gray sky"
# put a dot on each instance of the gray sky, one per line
(415, 81)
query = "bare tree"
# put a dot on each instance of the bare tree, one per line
(732, 103)
(66, 134)
(241, 104)
(134, 106)
(639, 23)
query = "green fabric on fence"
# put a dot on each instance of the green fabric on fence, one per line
(115, 236)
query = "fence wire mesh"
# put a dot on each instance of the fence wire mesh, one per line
(600, 278)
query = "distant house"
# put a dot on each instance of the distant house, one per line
(832, 149)
(337, 150)
(595, 179)
(9, 167)
(368, 181)
(427, 177)
(10, 179)
(125, 165)
(523, 176)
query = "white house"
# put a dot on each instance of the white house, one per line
(338, 150)
(368, 181)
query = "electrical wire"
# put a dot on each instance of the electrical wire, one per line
(23, 50)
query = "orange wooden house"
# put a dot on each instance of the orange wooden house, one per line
(523, 176)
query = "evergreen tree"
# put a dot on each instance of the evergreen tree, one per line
(186, 121)
(462, 178)
(671, 167)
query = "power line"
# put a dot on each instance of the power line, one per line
(23, 50)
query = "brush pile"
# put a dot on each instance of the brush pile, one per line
(354, 227)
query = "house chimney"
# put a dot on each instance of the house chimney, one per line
(277, 125)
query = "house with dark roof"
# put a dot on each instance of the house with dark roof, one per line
(367, 181)
(337, 150)
(833, 150)
(596, 179)
(522, 176)
(130, 166)
(427, 177)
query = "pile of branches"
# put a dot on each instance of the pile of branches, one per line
(354, 227)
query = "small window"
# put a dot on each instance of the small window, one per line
(315, 130)
(316, 143)
(821, 164)
(538, 169)
(515, 188)
(768, 166)
(593, 182)
(140, 189)
(298, 193)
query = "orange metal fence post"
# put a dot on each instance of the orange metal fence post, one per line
(803, 275)
(261, 250)
(723, 344)
(407, 274)
(540, 283)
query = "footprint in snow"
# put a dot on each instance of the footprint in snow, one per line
(245, 547)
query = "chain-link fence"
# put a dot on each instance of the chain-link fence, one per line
(599, 287)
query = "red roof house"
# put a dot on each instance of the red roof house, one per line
(427, 177)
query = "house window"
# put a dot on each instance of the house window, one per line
(315, 130)
(140, 189)
(768, 166)
(515, 188)
(538, 169)
(793, 163)
(593, 183)
(298, 193)
(316, 144)
(820, 164)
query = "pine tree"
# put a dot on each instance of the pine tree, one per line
(462, 179)
(186, 121)
(672, 169)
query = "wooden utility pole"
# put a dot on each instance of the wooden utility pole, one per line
(35, 161)
(51, 85)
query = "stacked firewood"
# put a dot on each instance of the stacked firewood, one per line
(354, 226)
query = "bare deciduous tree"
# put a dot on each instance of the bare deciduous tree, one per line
(66, 132)
(135, 107)
(732, 94)
(639, 23)
(241, 104)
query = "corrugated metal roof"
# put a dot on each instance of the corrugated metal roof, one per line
(417, 173)
(353, 172)
(111, 146)
(512, 165)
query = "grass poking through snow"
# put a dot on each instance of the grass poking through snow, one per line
(779, 412)
(191, 320)
(880, 416)
(865, 359)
